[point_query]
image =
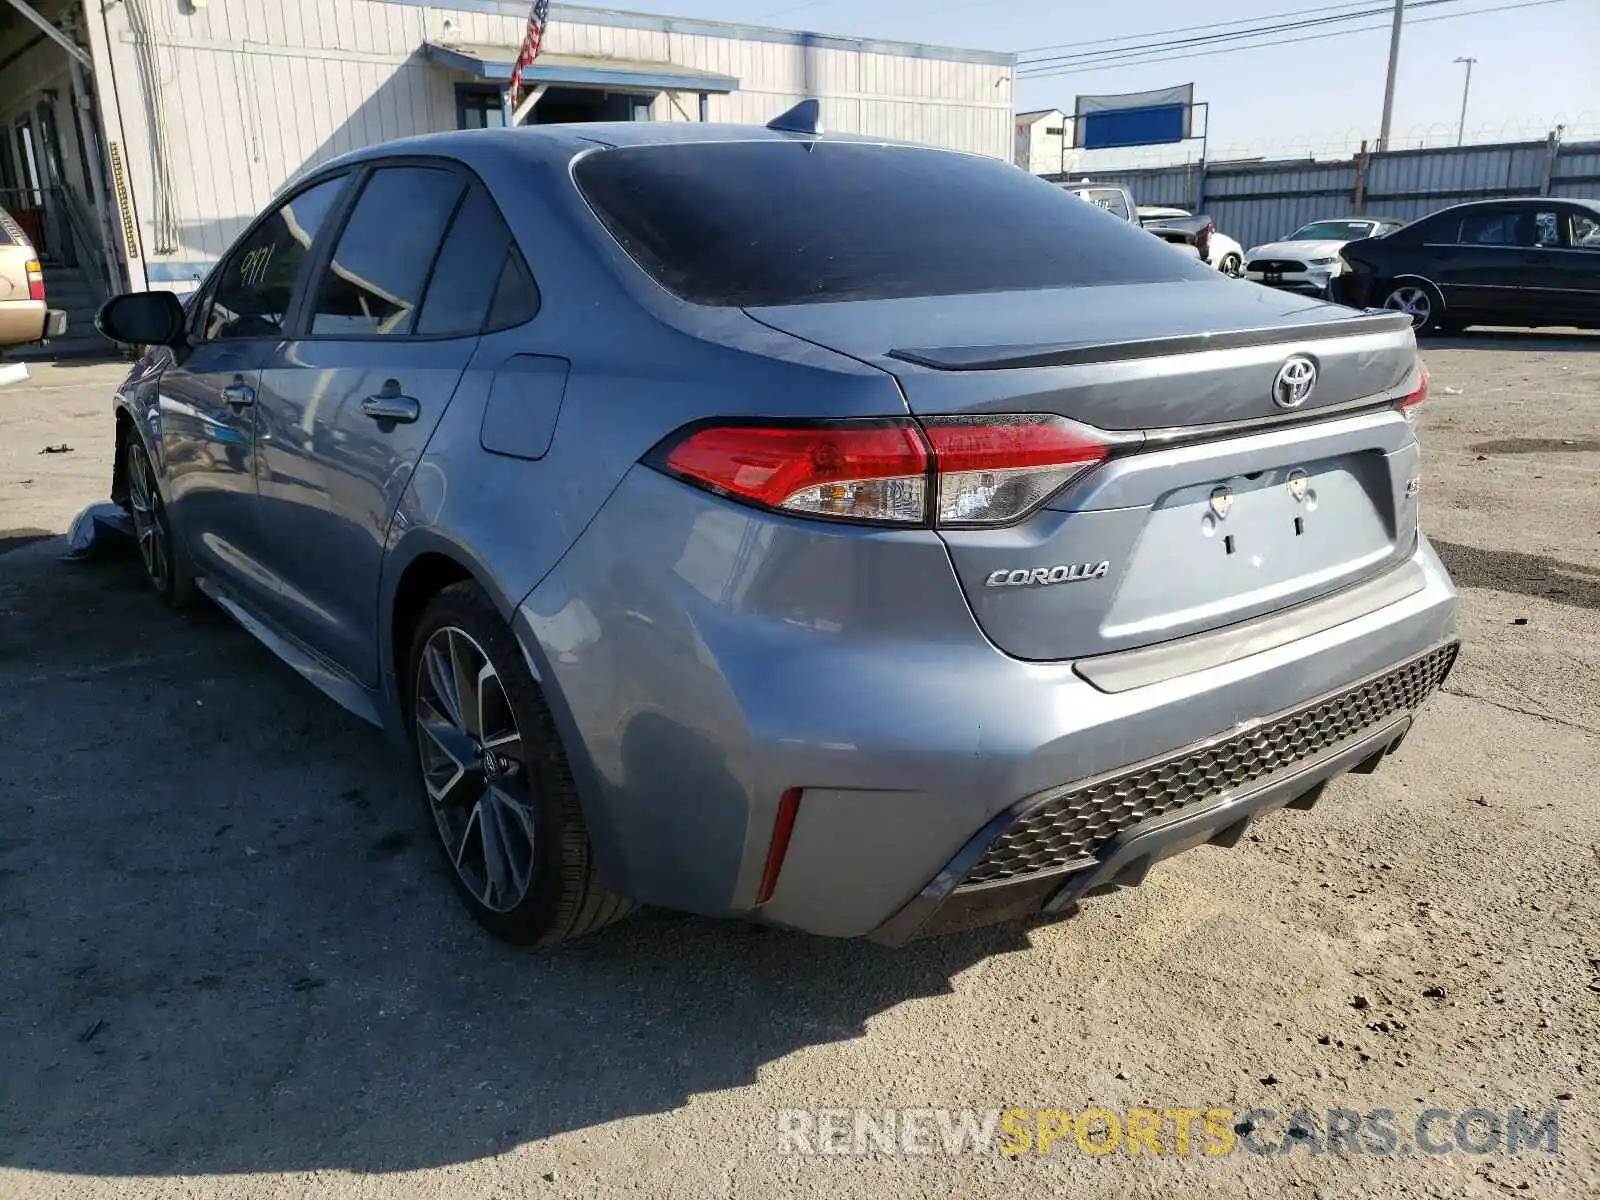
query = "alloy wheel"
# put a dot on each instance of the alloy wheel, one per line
(149, 521)
(474, 769)
(1414, 302)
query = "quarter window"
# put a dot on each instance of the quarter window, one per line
(257, 282)
(477, 253)
(373, 284)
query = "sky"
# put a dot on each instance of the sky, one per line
(1536, 64)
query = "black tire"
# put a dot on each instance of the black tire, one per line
(1231, 265)
(165, 561)
(561, 898)
(1421, 300)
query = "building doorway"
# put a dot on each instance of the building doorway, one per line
(570, 105)
(482, 106)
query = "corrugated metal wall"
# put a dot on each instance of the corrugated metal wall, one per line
(249, 94)
(1262, 202)
(1577, 171)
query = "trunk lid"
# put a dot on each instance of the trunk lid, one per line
(1218, 503)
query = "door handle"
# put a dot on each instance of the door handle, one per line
(387, 406)
(239, 394)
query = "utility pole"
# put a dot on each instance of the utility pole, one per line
(1394, 67)
(1461, 128)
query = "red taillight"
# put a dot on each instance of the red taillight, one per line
(782, 828)
(35, 275)
(1204, 241)
(987, 470)
(1410, 401)
(994, 469)
(865, 471)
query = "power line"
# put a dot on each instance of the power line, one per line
(1129, 37)
(1236, 35)
(1146, 57)
(805, 4)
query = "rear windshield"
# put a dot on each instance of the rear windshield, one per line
(771, 223)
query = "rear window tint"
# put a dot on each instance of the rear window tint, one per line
(771, 223)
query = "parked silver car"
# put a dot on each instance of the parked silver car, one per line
(862, 538)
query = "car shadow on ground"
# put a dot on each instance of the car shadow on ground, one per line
(1524, 574)
(1514, 339)
(230, 947)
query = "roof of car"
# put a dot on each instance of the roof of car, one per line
(1357, 217)
(1503, 201)
(471, 145)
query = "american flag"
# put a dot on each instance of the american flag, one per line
(531, 45)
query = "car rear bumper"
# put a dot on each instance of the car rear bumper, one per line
(23, 322)
(1049, 852)
(702, 659)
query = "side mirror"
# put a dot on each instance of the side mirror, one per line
(142, 319)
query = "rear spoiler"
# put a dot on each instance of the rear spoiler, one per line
(1076, 354)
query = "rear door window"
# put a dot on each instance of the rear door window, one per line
(373, 285)
(790, 222)
(1490, 229)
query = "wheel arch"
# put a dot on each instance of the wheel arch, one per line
(134, 413)
(428, 563)
(416, 569)
(1438, 291)
(119, 462)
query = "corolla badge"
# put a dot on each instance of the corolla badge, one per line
(1044, 576)
(1294, 382)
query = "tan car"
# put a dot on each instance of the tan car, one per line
(24, 315)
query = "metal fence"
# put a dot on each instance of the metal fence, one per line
(1258, 202)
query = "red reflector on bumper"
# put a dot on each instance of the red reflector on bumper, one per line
(782, 827)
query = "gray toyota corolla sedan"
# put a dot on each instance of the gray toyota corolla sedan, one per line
(857, 537)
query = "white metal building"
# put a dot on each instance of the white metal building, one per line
(141, 135)
(1043, 142)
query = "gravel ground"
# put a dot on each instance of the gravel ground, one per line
(231, 967)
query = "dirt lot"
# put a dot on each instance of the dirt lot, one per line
(229, 967)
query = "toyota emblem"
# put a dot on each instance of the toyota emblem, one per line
(1295, 382)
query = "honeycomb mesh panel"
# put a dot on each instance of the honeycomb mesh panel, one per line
(1075, 823)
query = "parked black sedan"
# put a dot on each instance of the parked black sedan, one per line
(1494, 262)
